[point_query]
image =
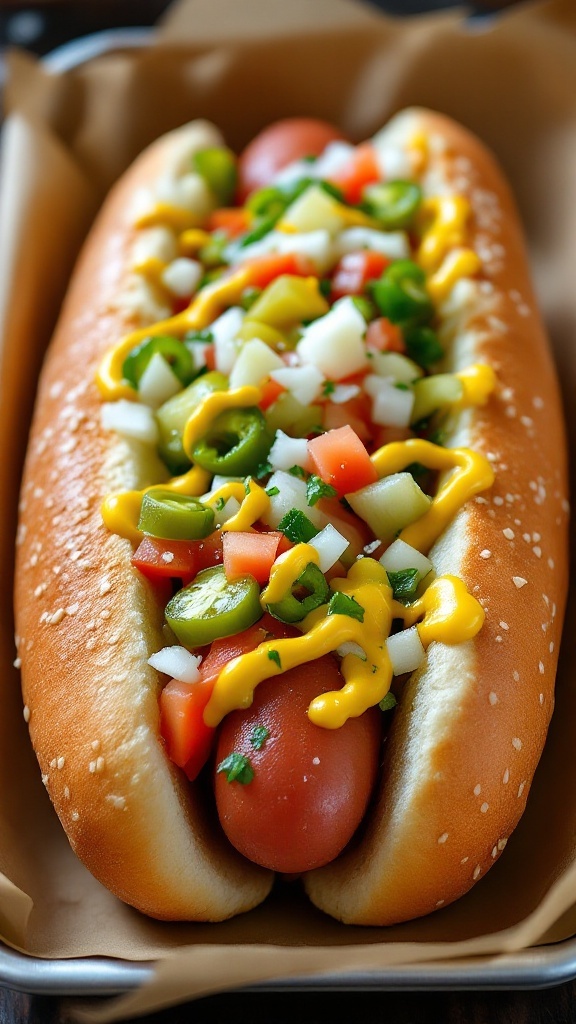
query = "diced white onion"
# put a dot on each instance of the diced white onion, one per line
(344, 393)
(305, 382)
(393, 244)
(315, 245)
(178, 663)
(190, 192)
(335, 342)
(400, 556)
(224, 331)
(405, 650)
(291, 495)
(219, 481)
(182, 276)
(158, 383)
(228, 511)
(289, 451)
(198, 352)
(336, 155)
(391, 406)
(330, 545)
(256, 360)
(130, 420)
(154, 243)
(350, 647)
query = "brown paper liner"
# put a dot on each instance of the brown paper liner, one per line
(69, 136)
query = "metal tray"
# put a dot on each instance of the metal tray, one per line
(534, 968)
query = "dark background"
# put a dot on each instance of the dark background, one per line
(41, 27)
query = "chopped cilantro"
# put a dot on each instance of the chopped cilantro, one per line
(316, 489)
(258, 736)
(388, 702)
(297, 527)
(275, 657)
(237, 768)
(341, 604)
(325, 287)
(401, 386)
(403, 583)
(298, 471)
(272, 491)
(219, 504)
(263, 469)
(329, 387)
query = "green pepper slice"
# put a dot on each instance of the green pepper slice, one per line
(237, 442)
(292, 608)
(212, 606)
(401, 295)
(217, 165)
(423, 346)
(174, 352)
(172, 516)
(393, 203)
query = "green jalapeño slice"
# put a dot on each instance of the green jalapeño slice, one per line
(172, 516)
(212, 606)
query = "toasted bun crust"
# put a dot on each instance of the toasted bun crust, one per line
(470, 729)
(471, 725)
(87, 622)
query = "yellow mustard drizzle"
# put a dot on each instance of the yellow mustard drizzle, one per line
(473, 474)
(190, 242)
(450, 615)
(121, 511)
(286, 569)
(445, 220)
(456, 264)
(200, 420)
(253, 501)
(203, 309)
(478, 382)
(168, 215)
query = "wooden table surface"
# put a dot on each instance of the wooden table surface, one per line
(63, 19)
(546, 1006)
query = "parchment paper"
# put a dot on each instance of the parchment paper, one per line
(68, 137)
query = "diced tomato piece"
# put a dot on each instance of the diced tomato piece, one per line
(177, 559)
(340, 459)
(233, 221)
(354, 271)
(250, 552)
(271, 391)
(385, 336)
(188, 739)
(229, 647)
(265, 269)
(361, 170)
(210, 357)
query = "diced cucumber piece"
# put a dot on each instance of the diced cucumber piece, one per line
(433, 393)
(390, 504)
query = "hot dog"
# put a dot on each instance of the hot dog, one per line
(296, 480)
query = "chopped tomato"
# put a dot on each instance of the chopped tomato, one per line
(188, 739)
(278, 145)
(356, 413)
(210, 357)
(270, 391)
(177, 559)
(233, 221)
(265, 269)
(224, 650)
(340, 459)
(385, 336)
(250, 552)
(361, 170)
(354, 271)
